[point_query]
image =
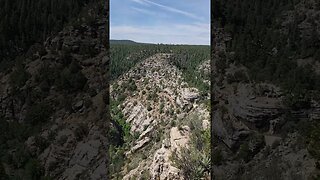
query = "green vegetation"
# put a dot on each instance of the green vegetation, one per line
(194, 161)
(33, 169)
(149, 108)
(217, 157)
(81, 131)
(118, 119)
(14, 154)
(314, 140)
(125, 56)
(250, 148)
(161, 107)
(185, 57)
(68, 78)
(130, 86)
(38, 113)
(122, 42)
(71, 78)
(41, 142)
(19, 76)
(25, 26)
(145, 175)
(244, 152)
(120, 137)
(270, 50)
(117, 159)
(26, 22)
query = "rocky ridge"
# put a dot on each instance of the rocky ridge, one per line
(74, 139)
(156, 110)
(247, 120)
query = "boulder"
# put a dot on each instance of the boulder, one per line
(179, 137)
(161, 167)
(78, 105)
(190, 94)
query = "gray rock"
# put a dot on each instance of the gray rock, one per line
(85, 152)
(78, 105)
(190, 95)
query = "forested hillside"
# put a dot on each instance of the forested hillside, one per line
(112, 41)
(266, 89)
(185, 57)
(159, 96)
(269, 36)
(52, 91)
(25, 22)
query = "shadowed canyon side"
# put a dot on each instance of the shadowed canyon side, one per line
(266, 90)
(53, 104)
(164, 121)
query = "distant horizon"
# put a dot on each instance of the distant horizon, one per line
(183, 22)
(138, 42)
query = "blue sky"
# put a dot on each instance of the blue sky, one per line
(161, 21)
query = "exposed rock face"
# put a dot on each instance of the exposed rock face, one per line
(161, 81)
(137, 116)
(161, 168)
(161, 100)
(69, 158)
(190, 94)
(161, 165)
(222, 130)
(78, 105)
(270, 140)
(179, 137)
(79, 151)
(248, 122)
(258, 111)
(242, 107)
(299, 164)
(139, 144)
(77, 142)
(205, 67)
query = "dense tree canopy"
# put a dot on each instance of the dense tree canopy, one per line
(186, 57)
(268, 47)
(24, 22)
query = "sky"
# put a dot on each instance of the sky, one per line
(161, 21)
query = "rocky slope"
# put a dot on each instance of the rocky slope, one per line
(257, 136)
(68, 74)
(158, 110)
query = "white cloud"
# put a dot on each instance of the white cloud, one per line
(167, 34)
(171, 9)
(140, 2)
(145, 11)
